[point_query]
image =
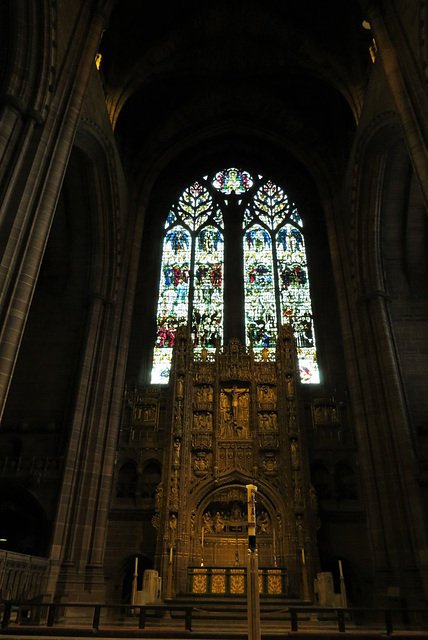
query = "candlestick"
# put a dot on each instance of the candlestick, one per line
(303, 555)
(340, 568)
(170, 554)
(251, 497)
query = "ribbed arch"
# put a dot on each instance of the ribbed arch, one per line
(32, 57)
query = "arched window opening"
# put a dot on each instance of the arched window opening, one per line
(126, 486)
(228, 232)
(344, 477)
(260, 307)
(321, 480)
(150, 480)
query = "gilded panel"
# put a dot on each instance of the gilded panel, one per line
(218, 581)
(237, 581)
(199, 583)
(274, 582)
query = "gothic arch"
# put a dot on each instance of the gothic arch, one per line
(404, 229)
(31, 61)
(124, 574)
(345, 481)
(59, 303)
(98, 390)
(375, 149)
(203, 491)
(382, 421)
(104, 198)
(23, 522)
(221, 514)
(322, 480)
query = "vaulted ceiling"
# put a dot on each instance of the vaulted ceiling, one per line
(272, 77)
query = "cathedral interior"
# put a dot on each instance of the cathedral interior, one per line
(213, 275)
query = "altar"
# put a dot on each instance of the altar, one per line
(233, 581)
(233, 418)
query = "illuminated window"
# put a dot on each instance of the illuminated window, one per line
(192, 268)
(274, 269)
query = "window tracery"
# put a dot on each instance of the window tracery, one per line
(274, 270)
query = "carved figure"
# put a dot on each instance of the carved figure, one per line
(205, 421)
(180, 387)
(158, 497)
(294, 448)
(263, 523)
(225, 417)
(235, 394)
(218, 523)
(265, 393)
(236, 512)
(176, 453)
(200, 464)
(267, 421)
(234, 410)
(269, 464)
(208, 521)
(172, 528)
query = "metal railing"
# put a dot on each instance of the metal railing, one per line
(53, 614)
(123, 617)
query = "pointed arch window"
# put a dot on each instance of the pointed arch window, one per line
(199, 237)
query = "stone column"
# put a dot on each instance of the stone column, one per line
(41, 155)
(387, 463)
(410, 96)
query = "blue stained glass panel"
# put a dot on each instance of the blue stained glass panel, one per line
(173, 302)
(260, 307)
(207, 316)
(170, 220)
(294, 216)
(295, 298)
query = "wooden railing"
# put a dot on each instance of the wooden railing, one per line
(22, 577)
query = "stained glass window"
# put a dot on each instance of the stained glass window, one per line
(274, 269)
(173, 299)
(259, 286)
(207, 317)
(232, 181)
(192, 265)
(295, 299)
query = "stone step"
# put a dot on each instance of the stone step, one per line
(209, 607)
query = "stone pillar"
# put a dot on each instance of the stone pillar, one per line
(410, 97)
(41, 151)
(387, 465)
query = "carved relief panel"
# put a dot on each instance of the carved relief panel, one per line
(234, 413)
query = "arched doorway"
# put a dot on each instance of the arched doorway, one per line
(24, 527)
(222, 538)
(127, 574)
